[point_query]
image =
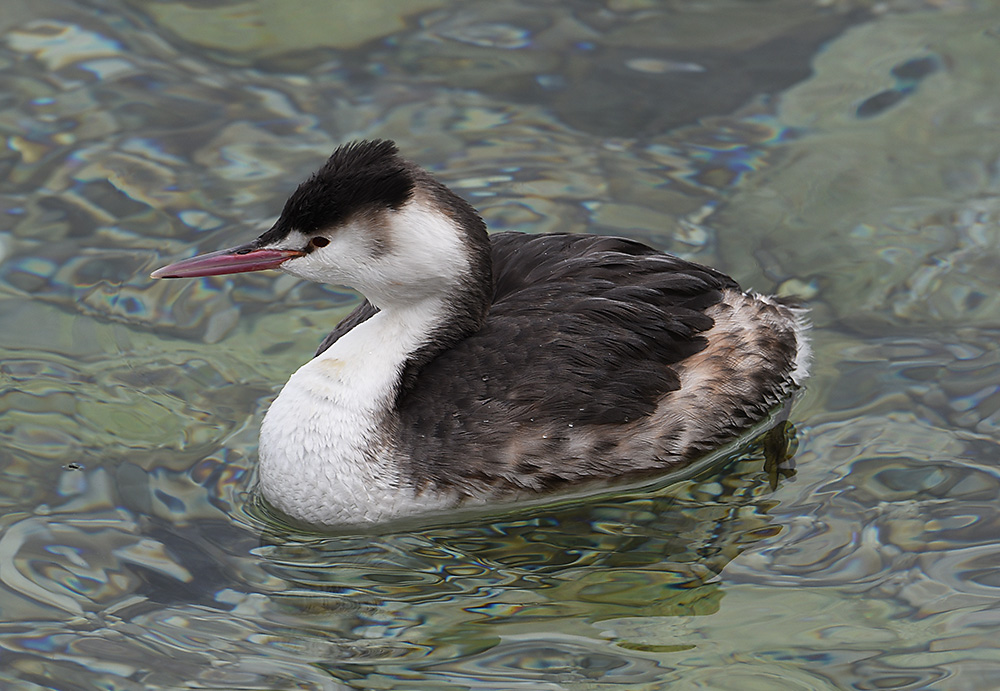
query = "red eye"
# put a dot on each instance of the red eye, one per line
(319, 241)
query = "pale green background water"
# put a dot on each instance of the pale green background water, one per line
(841, 150)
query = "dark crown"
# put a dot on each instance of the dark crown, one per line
(362, 175)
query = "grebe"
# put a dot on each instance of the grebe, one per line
(486, 368)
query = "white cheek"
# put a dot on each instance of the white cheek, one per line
(423, 255)
(342, 262)
(426, 248)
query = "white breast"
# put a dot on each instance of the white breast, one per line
(327, 455)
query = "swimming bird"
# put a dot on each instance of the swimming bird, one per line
(492, 368)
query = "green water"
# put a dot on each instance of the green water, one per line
(846, 152)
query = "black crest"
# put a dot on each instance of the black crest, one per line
(358, 176)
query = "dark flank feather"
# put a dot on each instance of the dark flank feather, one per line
(581, 345)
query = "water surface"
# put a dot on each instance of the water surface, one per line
(843, 152)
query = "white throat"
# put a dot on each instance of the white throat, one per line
(326, 446)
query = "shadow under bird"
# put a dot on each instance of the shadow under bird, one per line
(495, 368)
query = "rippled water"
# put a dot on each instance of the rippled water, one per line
(843, 151)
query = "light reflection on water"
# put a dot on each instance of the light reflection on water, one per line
(516, 600)
(804, 149)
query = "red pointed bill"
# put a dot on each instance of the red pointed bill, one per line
(232, 261)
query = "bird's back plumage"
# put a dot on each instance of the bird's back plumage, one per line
(584, 343)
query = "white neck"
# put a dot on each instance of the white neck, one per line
(326, 452)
